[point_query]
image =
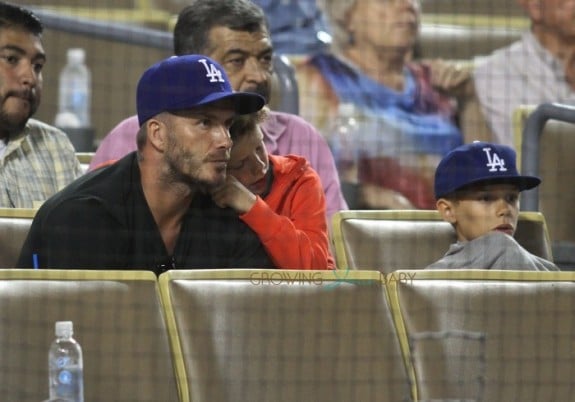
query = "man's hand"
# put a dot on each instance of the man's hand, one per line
(233, 194)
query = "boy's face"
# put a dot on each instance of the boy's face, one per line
(481, 209)
(249, 162)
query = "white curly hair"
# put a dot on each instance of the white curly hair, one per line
(336, 11)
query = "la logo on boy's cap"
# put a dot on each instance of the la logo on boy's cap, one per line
(479, 162)
(186, 82)
(494, 161)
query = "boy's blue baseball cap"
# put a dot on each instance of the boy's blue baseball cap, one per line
(186, 82)
(479, 162)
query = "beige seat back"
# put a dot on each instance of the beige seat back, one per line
(488, 335)
(463, 29)
(268, 335)
(14, 226)
(117, 319)
(493, 8)
(412, 239)
(557, 171)
(85, 158)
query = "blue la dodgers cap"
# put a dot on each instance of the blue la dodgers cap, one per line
(479, 162)
(185, 82)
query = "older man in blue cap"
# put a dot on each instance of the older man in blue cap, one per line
(477, 190)
(151, 209)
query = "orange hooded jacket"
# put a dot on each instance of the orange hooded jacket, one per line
(291, 220)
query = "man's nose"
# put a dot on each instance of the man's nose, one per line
(255, 72)
(27, 74)
(223, 138)
(504, 207)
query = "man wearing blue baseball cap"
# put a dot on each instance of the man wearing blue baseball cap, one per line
(477, 190)
(151, 209)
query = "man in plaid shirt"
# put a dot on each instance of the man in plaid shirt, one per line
(36, 160)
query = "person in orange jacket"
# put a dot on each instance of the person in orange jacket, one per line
(281, 199)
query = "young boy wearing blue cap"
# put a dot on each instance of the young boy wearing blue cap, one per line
(477, 190)
(152, 209)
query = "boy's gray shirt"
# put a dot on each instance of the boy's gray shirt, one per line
(495, 250)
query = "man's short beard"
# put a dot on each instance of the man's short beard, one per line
(264, 91)
(173, 174)
(9, 128)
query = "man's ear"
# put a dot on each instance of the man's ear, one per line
(156, 133)
(446, 210)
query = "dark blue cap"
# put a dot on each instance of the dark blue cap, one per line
(479, 162)
(186, 82)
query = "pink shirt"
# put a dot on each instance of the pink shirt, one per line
(284, 134)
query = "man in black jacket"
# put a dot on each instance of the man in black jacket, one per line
(151, 210)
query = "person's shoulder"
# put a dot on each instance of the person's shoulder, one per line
(494, 240)
(203, 208)
(130, 124)
(120, 141)
(501, 57)
(104, 185)
(291, 123)
(288, 163)
(39, 128)
(49, 139)
(126, 129)
(287, 118)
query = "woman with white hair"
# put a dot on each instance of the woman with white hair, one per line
(405, 125)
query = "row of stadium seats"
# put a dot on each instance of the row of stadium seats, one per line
(450, 30)
(268, 335)
(380, 240)
(412, 239)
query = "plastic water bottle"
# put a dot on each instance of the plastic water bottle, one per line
(74, 92)
(65, 365)
(344, 134)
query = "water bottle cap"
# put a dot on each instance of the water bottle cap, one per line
(76, 55)
(64, 329)
(346, 109)
(67, 120)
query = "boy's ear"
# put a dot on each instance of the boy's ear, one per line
(446, 210)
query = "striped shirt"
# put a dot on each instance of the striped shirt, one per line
(35, 165)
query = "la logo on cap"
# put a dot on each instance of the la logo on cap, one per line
(212, 71)
(494, 162)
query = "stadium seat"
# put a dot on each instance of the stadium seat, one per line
(492, 8)
(14, 226)
(284, 96)
(412, 239)
(273, 335)
(462, 42)
(117, 319)
(482, 335)
(85, 158)
(549, 155)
